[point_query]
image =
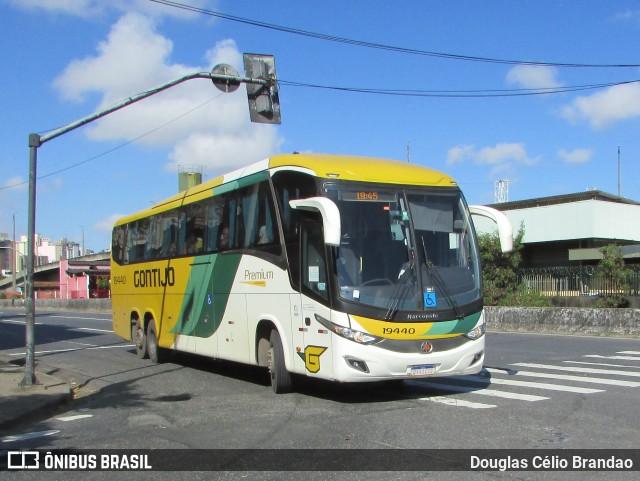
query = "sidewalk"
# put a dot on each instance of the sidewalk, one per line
(20, 404)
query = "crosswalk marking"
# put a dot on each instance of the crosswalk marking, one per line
(567, 377)
(621, 358)
(534, 385)
(483, 392)
(597, 364)
(586, 370)
(449, 401)
(581, 371)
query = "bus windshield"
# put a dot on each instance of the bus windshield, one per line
(405, 249)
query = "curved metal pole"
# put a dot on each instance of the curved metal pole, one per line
(36, 141)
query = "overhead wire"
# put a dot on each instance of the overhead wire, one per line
(461, 93)
(381, 46)
(135, 139)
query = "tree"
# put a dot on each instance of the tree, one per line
(500, 273)
(615, 274)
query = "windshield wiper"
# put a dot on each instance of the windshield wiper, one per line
(403, 286)
(437, 280)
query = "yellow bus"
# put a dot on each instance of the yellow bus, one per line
(342, 268)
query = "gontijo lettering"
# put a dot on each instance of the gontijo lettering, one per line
(154, 277)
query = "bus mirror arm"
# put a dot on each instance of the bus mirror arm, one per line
(330, 216)
(505, 230)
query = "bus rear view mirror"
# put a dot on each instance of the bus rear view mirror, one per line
(505, 230)
(330, 216)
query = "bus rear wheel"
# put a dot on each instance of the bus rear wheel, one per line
(139, 338)
(280, 377)
(156, 353)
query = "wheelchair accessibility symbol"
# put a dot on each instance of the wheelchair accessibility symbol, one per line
(430, 299)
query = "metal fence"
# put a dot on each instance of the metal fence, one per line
(576, 281)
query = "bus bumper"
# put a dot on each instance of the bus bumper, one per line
(354, 362)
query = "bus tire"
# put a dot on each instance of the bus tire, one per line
(280, 377)
(139, 338)
(156, 353)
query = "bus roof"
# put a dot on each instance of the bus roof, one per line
(366, 169)
(330, 166)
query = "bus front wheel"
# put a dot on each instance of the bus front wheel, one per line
(139, 338)
(280, 377)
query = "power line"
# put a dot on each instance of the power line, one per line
(380, 46)
(118, 147)
(460, 93)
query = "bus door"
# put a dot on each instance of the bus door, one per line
(314, 299)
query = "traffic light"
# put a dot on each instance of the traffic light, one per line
(264, 105)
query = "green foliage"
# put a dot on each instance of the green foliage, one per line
(500, 273)
(613, 269)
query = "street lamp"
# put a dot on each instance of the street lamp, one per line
(264, 107)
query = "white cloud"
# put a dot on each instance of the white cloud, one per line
(106, 225)
(576, 156)
(533, 77)
(460, 153)
(604, 108)
(207, 127)
(16, 183)
(500, 154)
(91, 8)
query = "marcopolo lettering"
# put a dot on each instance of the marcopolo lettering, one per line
(154, 277)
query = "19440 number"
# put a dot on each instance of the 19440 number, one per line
(398, 330)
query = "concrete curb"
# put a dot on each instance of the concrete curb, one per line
(20, 404)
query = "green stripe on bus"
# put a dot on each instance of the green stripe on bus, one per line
(207, 294)
(242, 182)
(455, 327)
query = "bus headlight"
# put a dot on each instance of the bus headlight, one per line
(351, 334)
(477, 332)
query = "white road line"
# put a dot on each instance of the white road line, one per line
(622, 358)
(586, 370)
(75, 417)
(535, 385)
(78, 349)
(457, 402)
(600, 364)
(567, 377)
(28, 436)
(636, 353)
(483, 392)
(90, 329)
(13, 321)
(88, 318)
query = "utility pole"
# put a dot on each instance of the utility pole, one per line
(264, 106)
(14, 264)
(619, 178)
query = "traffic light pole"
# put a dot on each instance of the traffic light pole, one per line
(36, 140)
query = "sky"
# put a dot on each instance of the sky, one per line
(544, 94)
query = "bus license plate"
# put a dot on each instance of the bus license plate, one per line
(421, 370)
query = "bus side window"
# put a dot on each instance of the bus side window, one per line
(154, 238)
(132, 242)
(194, 236)
(118, 245)
(314, 266)
(214, 217)
(169, 234)
(289, 186)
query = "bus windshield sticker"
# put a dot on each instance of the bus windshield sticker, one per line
(314, 274)
(430, 299)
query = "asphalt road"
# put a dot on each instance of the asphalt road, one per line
(536, 392)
